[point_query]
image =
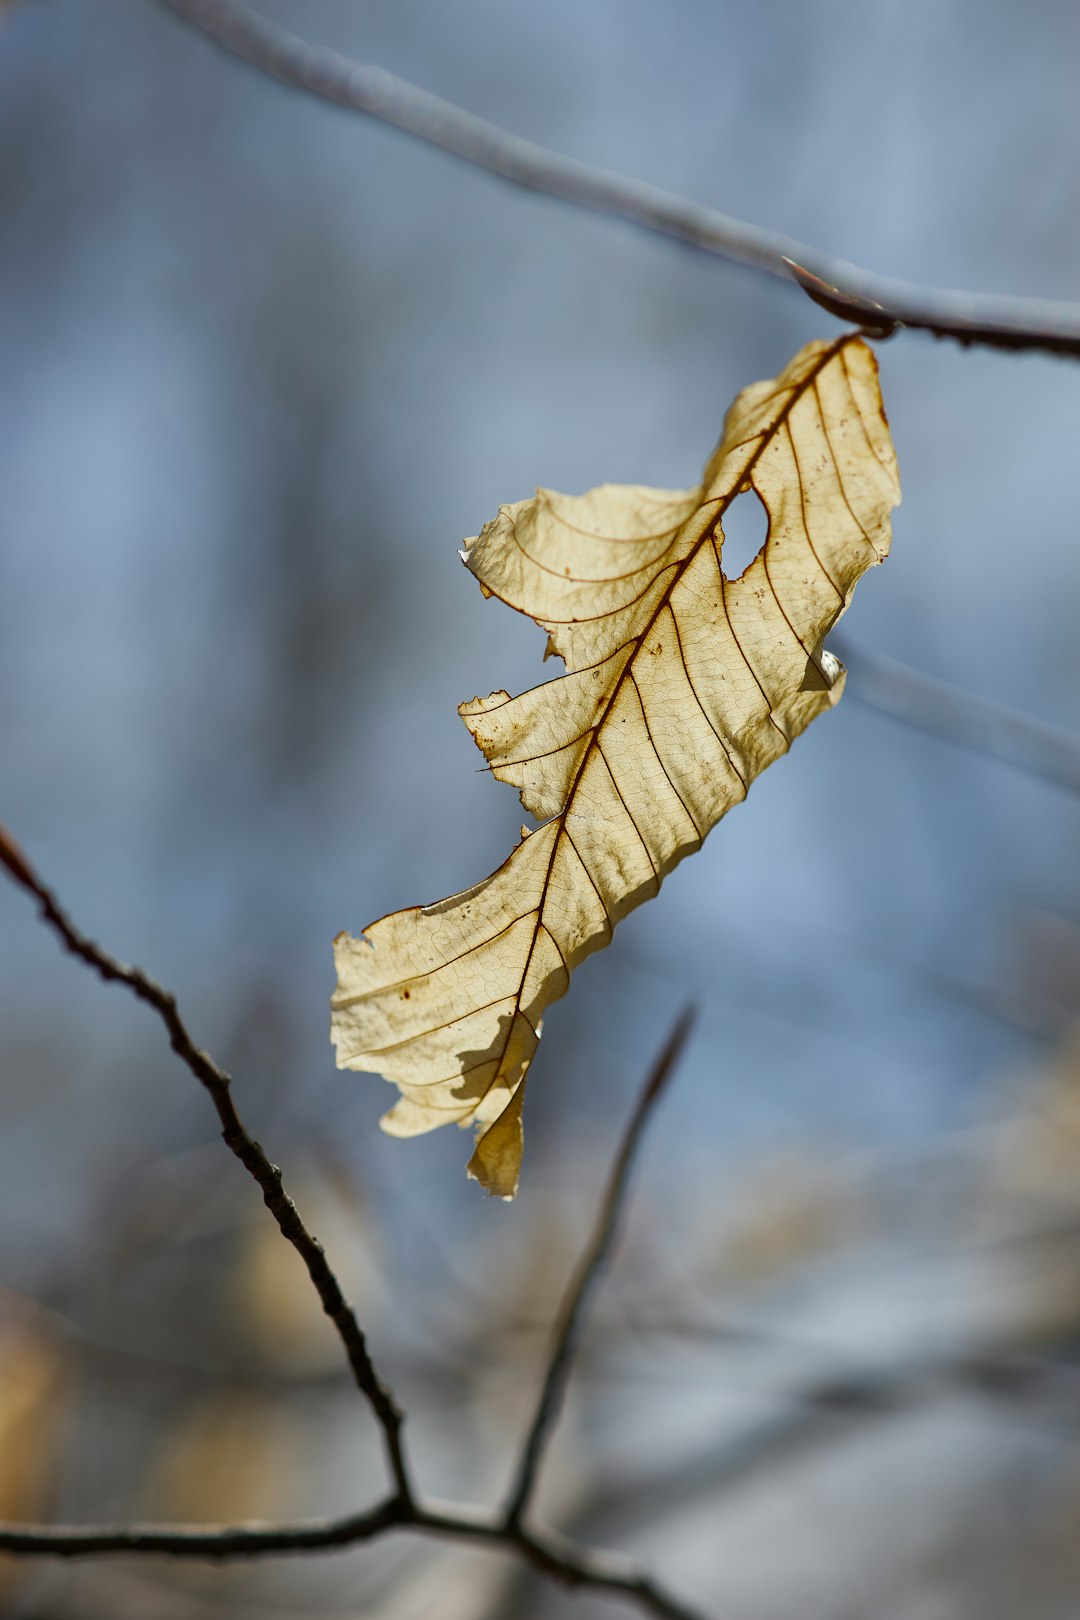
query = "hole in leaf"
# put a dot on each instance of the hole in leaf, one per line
(746, 523)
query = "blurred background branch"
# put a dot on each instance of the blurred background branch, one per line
(964, 718)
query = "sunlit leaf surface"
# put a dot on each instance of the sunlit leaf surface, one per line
(681, 685)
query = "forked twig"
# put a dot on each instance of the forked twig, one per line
(571, 1316)
(546, 1551)
(846, 291)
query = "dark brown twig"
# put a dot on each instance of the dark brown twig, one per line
(218, 1084)
(877, 302)
(571, 1316)
(554, 1555)
(546, 1551)
(211, 1543)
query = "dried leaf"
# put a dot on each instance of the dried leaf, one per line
(681, 686)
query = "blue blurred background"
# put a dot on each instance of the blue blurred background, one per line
(262, 366)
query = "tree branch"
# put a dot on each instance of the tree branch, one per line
(846, 291)
(819, 1411)
(558, 1557)
(920, 700)
(217, 1083)
(204, 1542)
(571, 1317)
(546, 1551)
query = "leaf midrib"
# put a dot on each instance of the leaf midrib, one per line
(707, 535)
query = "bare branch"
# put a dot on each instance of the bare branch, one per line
(818, 1412)
(549, 1553)
(554, 1555)
(881, 303)
(204, 1542)
(921, 700)
(571, 1317)
(247, 1150)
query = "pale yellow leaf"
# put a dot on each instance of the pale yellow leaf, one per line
(681, 686)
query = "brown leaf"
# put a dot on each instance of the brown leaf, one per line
(681, 686)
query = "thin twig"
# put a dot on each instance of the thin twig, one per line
(571, 1316)
(218, 1084)
(546, 1551)
(558, 1557)
(211, 1543)
(920, 700)
(553, 1555)
(845, 290)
